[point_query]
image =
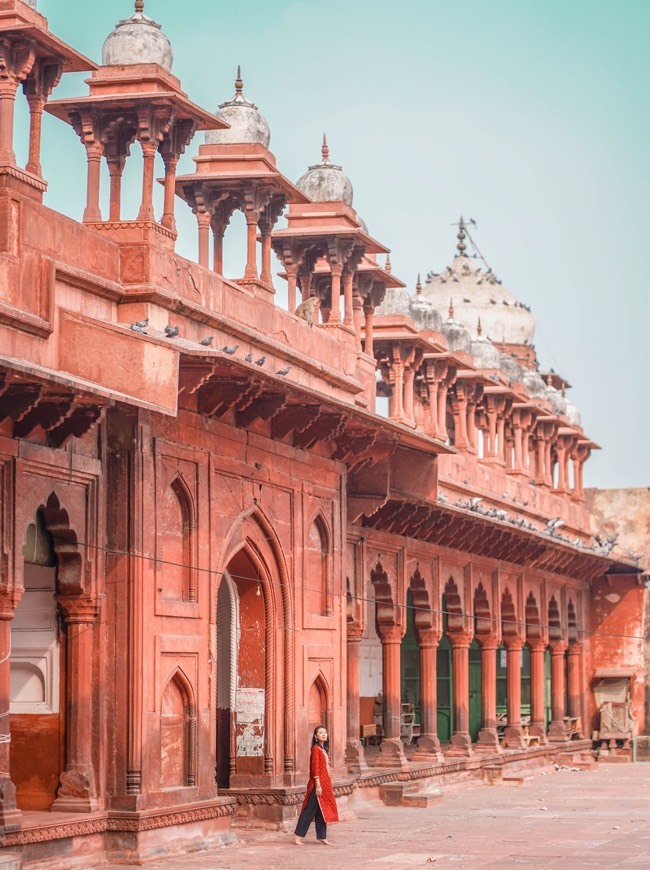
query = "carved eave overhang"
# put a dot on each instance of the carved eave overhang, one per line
(19, 20)
(34, 399)
(215, 383)
(227, 167)
(462, 530)
(317, 223)
(369, 269)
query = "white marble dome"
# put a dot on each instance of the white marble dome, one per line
(137, 40)
(458, 338)
(480, 295)
(555, 399)
(31, 3)
(486, 355)
(572, 414)
(511, 368)
(247, 125)
(535, 384)
(325, 181)
(397, 300)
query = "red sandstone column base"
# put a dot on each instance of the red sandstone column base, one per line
(428, 748)
(514, 738)
(76, 792)
(392, 754)
(355, 757)
(557, 732)
(10, 816)
(461, 746)
(488, 741)
(537, 729)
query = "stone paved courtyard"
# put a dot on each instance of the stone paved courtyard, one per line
(558, 821)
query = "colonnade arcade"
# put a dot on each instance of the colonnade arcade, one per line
(487, 662)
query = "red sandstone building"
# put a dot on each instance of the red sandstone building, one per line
(213, 533)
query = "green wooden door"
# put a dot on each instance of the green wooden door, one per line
(445, 681)
(475, 681)
(547, 687)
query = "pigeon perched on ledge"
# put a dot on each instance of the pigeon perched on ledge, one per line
(206, 342)
(171, 331)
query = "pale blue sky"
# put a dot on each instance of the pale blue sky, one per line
(531, 117)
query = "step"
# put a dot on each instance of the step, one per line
(397, 794)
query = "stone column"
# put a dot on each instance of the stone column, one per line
(392, 749)
(409, 377)
(10, 815)
(459, 405)
(168, 220)
(537, 724)
(36, 103)
(8, 87)
(513, 738)
(441, 428)
(556, 730)
(77, 792)
(265, 231)
(354, 753)
(428, 742)
(347, 297)
(357, 313)
(335, 316)
(94, 153)
(115, 170)
(396, 401)
(292, 280)
(574, 681)
(149, 150)
(369, 312)
(461, 742)
(203, 220)
(488, 738)
(251, 245)
(218, 232)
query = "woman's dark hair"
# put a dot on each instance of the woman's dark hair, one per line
(326, 745)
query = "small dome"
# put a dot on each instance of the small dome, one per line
(326, 182)
(396, 301)
(137, 40)
(486, 355)
(572, 414)
(247, 125)
(555, 399)
(535, 385)
(423, 313)
(511, 368)
(480, 294)
(458, 338)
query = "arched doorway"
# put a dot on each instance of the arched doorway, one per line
(242, 650)
(38, 694)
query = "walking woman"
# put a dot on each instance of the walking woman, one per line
(319, 803)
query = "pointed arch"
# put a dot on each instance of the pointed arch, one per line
(189, 537)
(572, 622)
(318, 566)
(320, 704)
(453, 606)
(178, 751)
(423, 616)
(177, 542)
(483, 623)
(532, 618)
(509, 624)
(256, 516)
(554, 621)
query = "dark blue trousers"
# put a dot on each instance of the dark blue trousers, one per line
(311, 811)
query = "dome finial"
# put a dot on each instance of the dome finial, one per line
(239, 84)
(418, 285)
(139, 6)
(479, 328)
(451, 309)
(389, 266)
(325, 151)
(461, 246)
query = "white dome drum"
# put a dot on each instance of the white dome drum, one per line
(247, 125)
(325, 181)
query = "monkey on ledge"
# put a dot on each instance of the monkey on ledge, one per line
(308, 309)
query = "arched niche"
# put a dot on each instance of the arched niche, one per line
(554, 620)
(318, 568)
(483, 623)
(509, 623)
(177, 542)
(177, 733)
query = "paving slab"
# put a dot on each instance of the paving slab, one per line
(557, 821)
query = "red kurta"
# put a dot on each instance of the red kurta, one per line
(319, 767)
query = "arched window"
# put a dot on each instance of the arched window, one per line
(177, 735)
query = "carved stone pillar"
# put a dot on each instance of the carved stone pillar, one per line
(168, 220)
(357, 314)
(354, 753)
(556, 730)
(574, 679)
(513, 738)
(392, 749)
(537, 725)
(459, 406)
(94, 153)
(409, 376)
(16, 61)
(488, 739)
(10, 815)
(77, 792)
(292, 280)
(115, 170)
(149, 150)
(335, 316)
(218, 232)
(428, 742)
(369, 312)
(396, 401)
(347, 296)
(461, 742)
(203, 220)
